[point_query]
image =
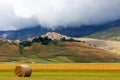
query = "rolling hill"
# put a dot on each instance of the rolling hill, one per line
(65, 51)
(70, 52)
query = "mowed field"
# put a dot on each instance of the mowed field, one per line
(72, 71)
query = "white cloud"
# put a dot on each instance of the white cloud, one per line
(53, 13)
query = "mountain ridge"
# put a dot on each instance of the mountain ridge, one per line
(93, 31)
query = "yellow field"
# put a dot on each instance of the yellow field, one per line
(93, 67)
(93, 71)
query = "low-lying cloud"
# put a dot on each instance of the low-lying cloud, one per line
(17, 14)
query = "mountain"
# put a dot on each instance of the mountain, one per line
(109, 30)
(44, 50)
(24, 34)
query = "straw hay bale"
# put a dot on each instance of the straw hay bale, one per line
(23, 71)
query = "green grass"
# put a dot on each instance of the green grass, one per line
(63, 76)
(57, 60)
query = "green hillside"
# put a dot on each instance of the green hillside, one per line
(108, 32)
(111, 33)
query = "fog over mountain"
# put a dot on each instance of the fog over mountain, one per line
(18, 14)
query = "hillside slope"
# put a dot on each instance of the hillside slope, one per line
(43, 50)
(111, 33)
(112, 46)
(65, 51)
(8, 51)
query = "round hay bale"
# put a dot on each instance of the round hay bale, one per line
(23, 71)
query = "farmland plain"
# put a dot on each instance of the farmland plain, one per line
(71, 71)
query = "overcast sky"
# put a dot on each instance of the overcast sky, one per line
(17, 14)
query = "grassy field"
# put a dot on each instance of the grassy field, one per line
(63, 76)
(93, 71)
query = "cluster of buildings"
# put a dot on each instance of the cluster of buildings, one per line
(50, 35)
(55, 36)
(16, 42)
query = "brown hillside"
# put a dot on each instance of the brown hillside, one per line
(74, 51)
(90, 53)
(7, 49)
(55, 51)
